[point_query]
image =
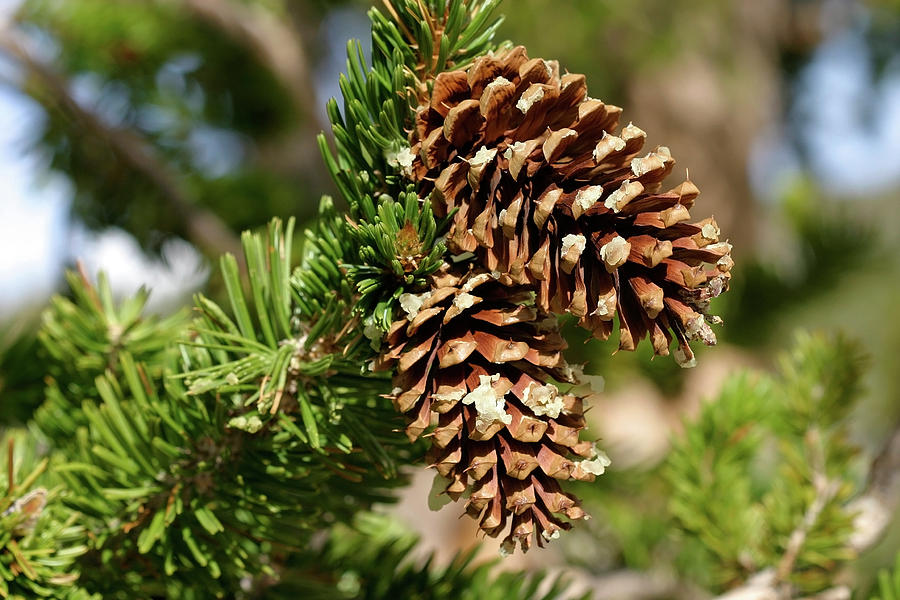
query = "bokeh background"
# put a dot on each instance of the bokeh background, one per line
(141, 137)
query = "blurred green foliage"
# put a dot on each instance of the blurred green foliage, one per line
(611, 42)
(766, 457)
(372, 558)
(192, 93)
(828, 240)
(21, 378)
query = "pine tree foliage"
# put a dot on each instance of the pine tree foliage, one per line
(83, 336)
(145, 480)
(40, 538)
(321, 287)
(260, 405)
(393, 253)
(765, 460)
(374, 558)
(412, 42)
(888, 583)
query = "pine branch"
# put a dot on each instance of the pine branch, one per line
(395, 235)
(825, 491)
(202, 465)
(878, 504)
(40, 538)
(781, 533)
(775, 583)
(82, 339)
(203, 226)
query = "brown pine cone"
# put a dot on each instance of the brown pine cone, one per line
(481, 356)
(548, 195)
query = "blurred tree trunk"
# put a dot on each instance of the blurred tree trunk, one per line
(710, 104)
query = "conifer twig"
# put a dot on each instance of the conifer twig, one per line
(877, 505)
(774, 584)
(825, 491)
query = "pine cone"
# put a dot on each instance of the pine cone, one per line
(481, 355)
(548, 196)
